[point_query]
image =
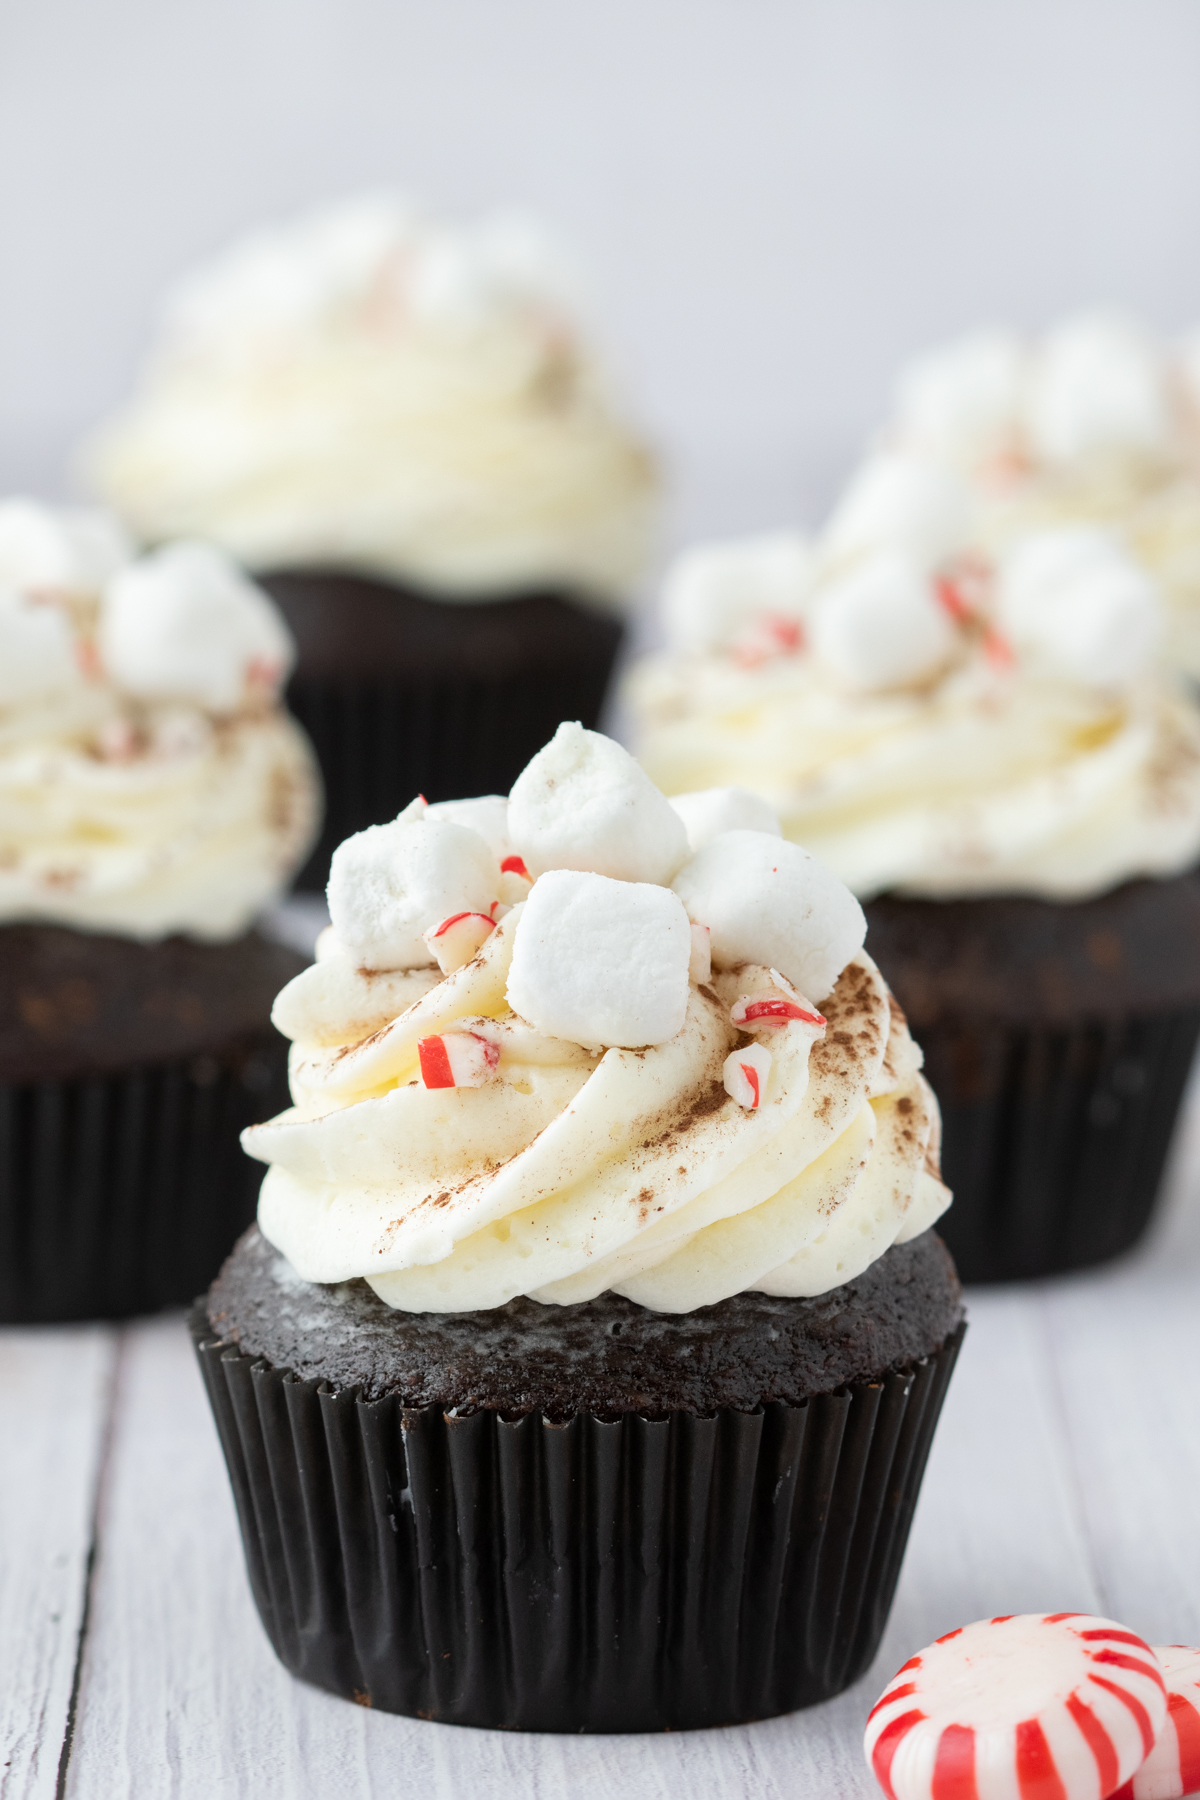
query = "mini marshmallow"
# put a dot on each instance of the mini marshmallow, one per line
(390, 884)
(454, 941)
(583, 803)
(488, 815)
(902, 502)
(1099, 384)
(37, 649)
(66, 548)
(768, 901)
(964, 400)
(708, 812)
(700, 960)
(1079, 607)
(601, 961)
(713, 592)
(745, 1073)
(185, 623)
(882, 625)
(457, 1059)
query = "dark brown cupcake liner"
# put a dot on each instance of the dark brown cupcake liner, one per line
(404, 693)
(1054, 1140)
(628, 1574)
(121, 1192)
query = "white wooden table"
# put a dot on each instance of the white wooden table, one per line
(1065, 1474)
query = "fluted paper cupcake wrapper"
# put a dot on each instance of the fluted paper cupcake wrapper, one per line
(378, 745)
(1054, 1141)
(637, 1574)
(121, 1193)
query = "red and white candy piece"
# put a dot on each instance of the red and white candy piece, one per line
(457, 1059)
(770, 1012)
(457, 939)
(1039, 1706)
(1172, 1768)
(745, 1075)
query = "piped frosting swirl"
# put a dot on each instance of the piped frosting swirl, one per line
(613, 1092)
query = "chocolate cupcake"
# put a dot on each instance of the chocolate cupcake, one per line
(582, 1368)
(990, 754)
(400, 427)
(154, 797)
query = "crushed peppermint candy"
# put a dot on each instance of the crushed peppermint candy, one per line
(457, 939)
(772, 1010)
(745, 1075)
(457, 1059)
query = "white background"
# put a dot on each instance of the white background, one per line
(776, 199)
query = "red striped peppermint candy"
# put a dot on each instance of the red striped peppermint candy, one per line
(1037, 1706)
(1172, 1768)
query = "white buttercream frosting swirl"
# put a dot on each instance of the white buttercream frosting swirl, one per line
(647, 1124)
(150, 780)
(963, 727)
(369, 388)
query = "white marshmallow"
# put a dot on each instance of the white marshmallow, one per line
(390, 884)
(708, 812)
(600, 961)
(882, 625)
(184, 622)
(74, 549)
(1099, 384)
(745, 1073)
(487, 814)
(1079, 607)
(583, 803)
(901, 502)
(37, 649)
(768, 901)
(964, 400)
(713, 592)
(700, 960)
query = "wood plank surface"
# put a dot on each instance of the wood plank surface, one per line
(55, 1393)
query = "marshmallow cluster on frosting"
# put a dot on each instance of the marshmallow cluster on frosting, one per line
(946, 716)
(668, 1068)
(372, 388)
(150, 780)
(1095, 423)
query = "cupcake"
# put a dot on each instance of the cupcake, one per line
(401, 427)
(988, 752)
(154, 797)
(580, 1372)
(1095, 422)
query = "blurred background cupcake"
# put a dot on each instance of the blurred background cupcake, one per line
(986, 747)
(154, 798)
(1095, 421)
(401, 426)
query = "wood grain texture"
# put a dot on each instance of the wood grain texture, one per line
(55, 1390)
(1064, 1475)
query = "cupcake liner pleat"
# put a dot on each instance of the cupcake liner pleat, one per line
(120, 1193)
(630, 1574)
(379, 745)
(1054, 1141)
